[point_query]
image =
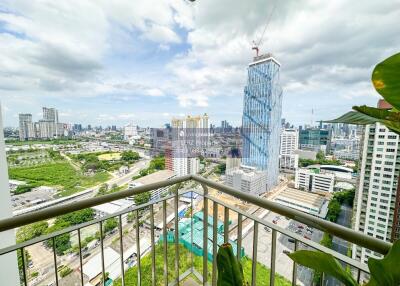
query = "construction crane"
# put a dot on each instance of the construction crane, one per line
(256, 45)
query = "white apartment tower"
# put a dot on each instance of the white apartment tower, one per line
(377, 198)
(288, 160)
(190, 137)
(26, 127)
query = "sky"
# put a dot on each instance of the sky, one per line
(115, 62)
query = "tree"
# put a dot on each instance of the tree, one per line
(31, 231)
(103, 189)
(142, 198)
(320, 155)
(110, 224)
(129, 156)
(23, 189)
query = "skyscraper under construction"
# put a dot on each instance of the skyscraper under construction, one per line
(261, 121)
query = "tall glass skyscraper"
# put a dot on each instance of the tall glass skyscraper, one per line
(261, 122)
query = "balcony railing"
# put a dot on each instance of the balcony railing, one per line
(229, 233)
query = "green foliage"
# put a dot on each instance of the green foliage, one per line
(110, 224)
(142, 198)
(326, 240)
(230, 271)
(320, 155)
(323, 262)
(31, 231)
(220, 169)
(385, 79)
(130, 156)
(386, 271)
(333, 210)
(156, 164)
(185, 263)
(58, 174)
(23, 189)
(383, 271)
(323, 161)
(65, 271)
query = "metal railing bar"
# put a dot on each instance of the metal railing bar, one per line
(24, 267)
(315, 245)
(103, 268)
(191, 230)
(55, 259)
(205, 236)
(273, 258)
(176, 230)
(14, 222)
(139, 266)
(153, 248)
(294, 273)
(165, 242)
(80, 255)
(215, 243)
(239, 237)
(121, 250)
(226, 223)
(358, 275)
(254, 258)
(12, 248)
(327, 226)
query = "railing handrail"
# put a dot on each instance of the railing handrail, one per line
(348, 234)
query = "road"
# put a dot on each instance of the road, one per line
(339, 244)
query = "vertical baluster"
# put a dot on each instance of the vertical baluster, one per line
(205, 235)
(103, 268)
(254, 261)
(165, 242)
(215, 243)
(322, 278)
(273, 258)
(121, 250)
(294, 273)
(153, 249)
(191, 233)
(226, 224)
(24, 267)
(176, 200)
(55, 259)
(80, 255)
(358, 276)
(139, 266)
(239, 237)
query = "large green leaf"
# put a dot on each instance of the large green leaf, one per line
(230, 271)
(386, 271)
(386, 80)
(323, 262)
(354, 117)
(391, 119)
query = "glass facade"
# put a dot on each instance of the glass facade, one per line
(262, 110)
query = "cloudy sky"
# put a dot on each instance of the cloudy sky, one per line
(114, 62)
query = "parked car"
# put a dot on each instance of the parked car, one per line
(300, 226)
(291, 240)
(286, 251)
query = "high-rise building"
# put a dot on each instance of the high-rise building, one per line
(288, 160)
(377, 201)
(190, 138)
(261, 121)
(50, 114)
(130, 131)
(26, 127)
(315, 139)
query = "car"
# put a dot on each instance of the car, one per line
(291, 240)
(275, 221)
(300, 226)
(286, 251)
(307, 237)
(86, 255)
(267, 229)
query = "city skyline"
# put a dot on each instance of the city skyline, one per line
(148, 67)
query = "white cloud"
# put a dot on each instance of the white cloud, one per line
(155, 92)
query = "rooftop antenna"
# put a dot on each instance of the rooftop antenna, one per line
(256, 45)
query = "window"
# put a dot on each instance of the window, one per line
(390, 150)
(392, 136)
(388, 169)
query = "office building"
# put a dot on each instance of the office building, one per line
(26, 127)
(247, 179)
(314, 180)
(261, 121)
(315, 139)
(377, 201)
(288, 160)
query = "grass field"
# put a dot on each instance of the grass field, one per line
(59, 174)
(109, 156)
(185, 263)
(53, 142)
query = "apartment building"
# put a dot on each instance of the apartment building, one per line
(288, 160)
(377, 197)
(314, 180)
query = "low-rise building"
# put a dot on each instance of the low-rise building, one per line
(247, 179)
(152, 178)
(314, 180)
(289, 163)
(310, 203)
